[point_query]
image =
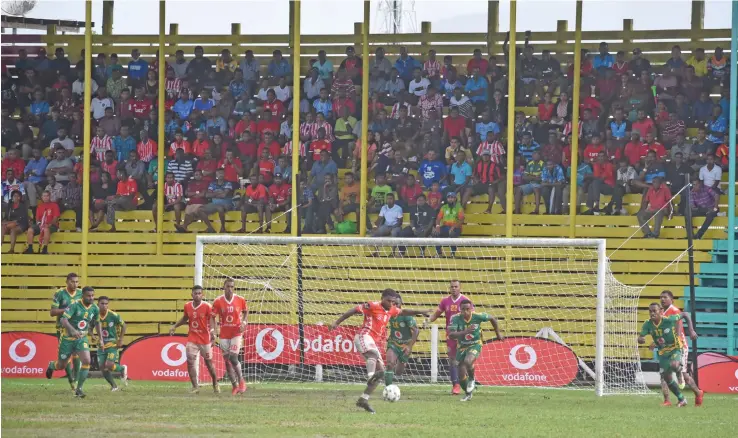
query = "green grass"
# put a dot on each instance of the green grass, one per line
(39, 408)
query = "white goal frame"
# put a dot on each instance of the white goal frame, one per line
(598, 244)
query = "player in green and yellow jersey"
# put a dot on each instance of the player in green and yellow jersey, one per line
(666, 331)
(107, 351)
(466, 327)
(63, 298)
(403, 335)
(76, 321)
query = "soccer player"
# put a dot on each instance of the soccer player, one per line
(63, 298)
(450, 306)
(665, 333)
(232, 311)
(466, 328)
(403, 335)
(376, 315)
(200, 336)
(108, 358)
(76, 320)
(667, 303)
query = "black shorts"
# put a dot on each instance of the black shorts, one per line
(37, 229)
(350, 207)
(480, 189)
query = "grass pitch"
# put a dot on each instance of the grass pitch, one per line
(40, 408)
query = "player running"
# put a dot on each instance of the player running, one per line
(76, 321)
(376, 315)
(200, 336)
(64, 298)
(232, 311)
(466, 327)
(403, 335)
(450, 306)
(108, 358)
(665, 333)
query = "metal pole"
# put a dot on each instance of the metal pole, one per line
(296, 84)
(512, 55)
(731, 184)
(690, 252)
(573, 192)
(86, 139)
(364, 119)
(162, 143)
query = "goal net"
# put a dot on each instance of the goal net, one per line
(566, 320)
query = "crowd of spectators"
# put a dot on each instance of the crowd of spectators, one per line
(228, 128)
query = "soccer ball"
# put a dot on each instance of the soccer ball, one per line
(391, 393)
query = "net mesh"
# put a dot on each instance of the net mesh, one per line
(544, 298)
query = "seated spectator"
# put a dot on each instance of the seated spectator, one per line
(71, 199)
(702, 146)
(722, 154)
(432, 170)
(327, 202)
(220, 194)
(487, 179)
(279, 200)
(61, 167)
(460, 174)
(717, 126)
(47, 222)
(702, 109)
(181, 167)
(389, 221)
(254, 200)
(652, 169)
(552, 184)
(635, 150)
(711, 174)
(278, 67)
(680, 146)
(705, 202)
(672, 129)
(136, 170)
(676, 177)
(449, 221)
(184, 106)
(718, 68)
(624, 176)
(531, 183)
(64, 141)
(14, 219)
(655, 204)
(422, 221)
(602, 183)
(655, 146)
(320, 168)
(232, 167)
(454, 148)
(476, 88)
(313, 84)
(584, 176)
(100, 193)
(173, 200)
(592, 150)
(528, 147)
(196, 200)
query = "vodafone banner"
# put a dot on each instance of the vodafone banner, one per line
(164, 358)
(280, 344)
(523, 361)
(718, 373)
(27, 354)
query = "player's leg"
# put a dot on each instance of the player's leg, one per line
(379, 371)
(374, 368)
(469, 359)
(105, 366)
(684, 372)
(680, 376)
(193, 357)
(392, 361)
(77, 364)
(665, 392)
(453, 366)
(665, 364)
(225, 345)
(207, 356)
(83, 351)
(233, 351)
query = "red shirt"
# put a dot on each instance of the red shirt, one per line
(199, 147)
(280, 193)
(247, 148)
(198, 186)
(127, 187)
(266, 168)
(146, 151)
(454, 126)
(658, 148)
(591, 103)
(231, 174)
(271, 126)
(482, 64)
(672, 311)
(242, 126)
(487, 172)
(172, 192)
(317, 146)
(434, 200)
(184, 145)
(341, 103)
(18, 165)
(198, 321)
(276, 108)
(230, 313)
(208, 166)
(566, 155)
(658, 199)
(619, 69)
(375, 319)
(258, 193)
(410, 194)
(606, 171)
(273, 148)
(635, 151)
(545, 112)
(47, 212)
(142, 108)
(110, 168)
(643, 127)
(591, 152)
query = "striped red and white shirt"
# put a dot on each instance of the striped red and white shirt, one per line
(173, 87)
(432, 67)
(568, 129)
(146, 151)
(496, 149)
(173, 191)
(328, 130)
(395, 114)
(287, 150)
(98, 146)
(307, 129)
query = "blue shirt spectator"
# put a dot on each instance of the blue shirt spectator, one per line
(216, 126)
(605, 61)
(214, 187)
(619, 129)
(474, 84)
(717, 129)
(405, 67)
(123, 146)
(320, 170)
(36, 170)
(40, 108)
(526, 150)
(655, 170)
(483, 128)
(553, 176)
(583, 170)
(203, 105)
(237, 88)
(137, 69)
(183, 108)
(279, 68)
(461, 172)
(323, 107)
(725, 105)
(170, 128)
(448, 87)
(702, 110)
(431, 171)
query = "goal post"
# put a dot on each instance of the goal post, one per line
(567, 321)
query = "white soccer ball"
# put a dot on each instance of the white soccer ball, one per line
(391, 393)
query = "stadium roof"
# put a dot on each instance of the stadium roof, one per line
(13, 22)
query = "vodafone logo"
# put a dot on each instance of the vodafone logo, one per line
(530, 351)
(278, 340)
(82, 325)
(13, 351)
(736, 373)
(165, 354)
(398, 335)
(469, 337)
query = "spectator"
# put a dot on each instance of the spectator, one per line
(655, 201)
(254, 200)
(344, 135)
(64, 141)
(638, 64)
(327, 198)
(179, 143)
(705, 202)
(722, 154)
(14, 219)
(603, 59)
(422, 219)
(655, 146)
(449, 221)
(487, 179)
(280, 199)
(711, 174)
(47, 222)
(635, 150)
(717, 126)
(651, 170)
(61, 167)
(432, 170)
(702, 146)
(100, 192)
(476, 88)
(624, 176)
(181, 166)
(320, 168)
(389, 221)
(71, 199)
(180, 64)
(11, 184)
(34, 176)
(552, 184)
(123, 144)
(602, 183)
(198, 67)
(676, 177)
(528, 147)
(405, 65)
(409, 192)
(460, 174)
(702, 109)
(313, 85)
(278, 67)
(718, 68)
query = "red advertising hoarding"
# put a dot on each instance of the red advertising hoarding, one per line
(27, 354)
(280, 344)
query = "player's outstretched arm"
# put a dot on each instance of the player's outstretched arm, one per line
(351, 312)
(408, 312)
(685, 316)
(182, 321)
(71, 330)
(437, 314)
(496, 326)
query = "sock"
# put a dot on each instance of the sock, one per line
(117, 368)
(77, 365)
(68, 370)
(82, 376)
(471, 373)
(365, 396)
(454, 374)
(674, 387)
(388, 377)
(109, 378)
(463, 383)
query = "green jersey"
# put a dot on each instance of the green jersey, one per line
(401, 329)
(63, 299)
(459, 324)
(667, 330)
(379, 193)
(109, 324)
(81, 316)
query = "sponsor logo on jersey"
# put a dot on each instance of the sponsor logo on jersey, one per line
(469, 337)
(718, 373)
(105, 333)
(82, 325)
(165, 358)
(398, 335)
(27, 354)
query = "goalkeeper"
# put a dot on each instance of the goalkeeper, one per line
(403, 334)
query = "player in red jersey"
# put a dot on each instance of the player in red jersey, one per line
(667, 303)
(373, 330)
(232, 311)
(198, 315)
(450, 306)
